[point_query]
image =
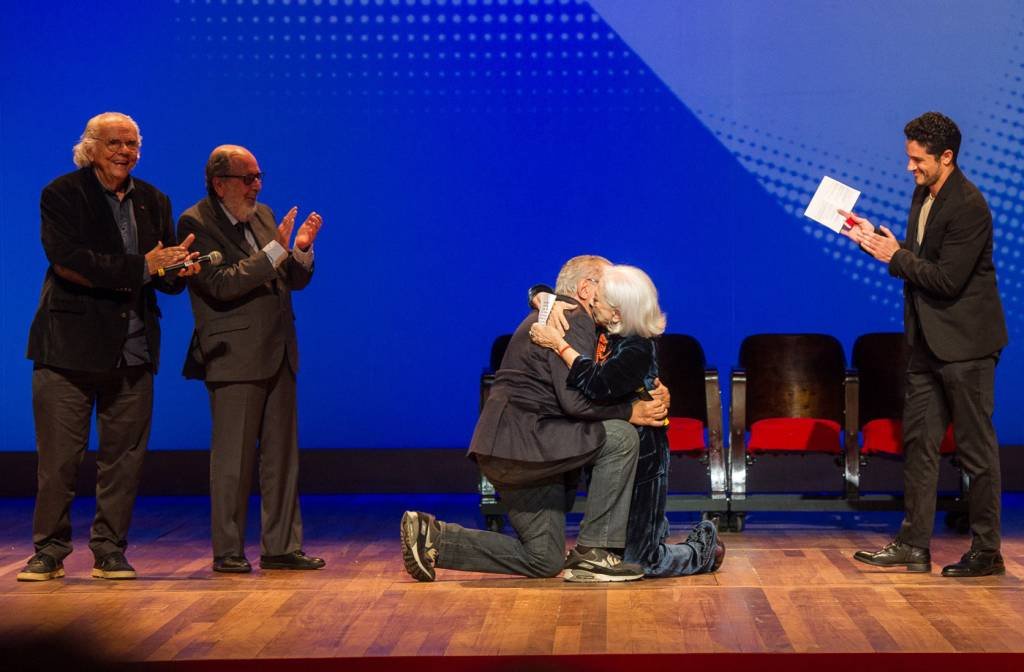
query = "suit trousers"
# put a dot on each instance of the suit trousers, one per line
(537, 514)
(63, 403)
(938, 393)
(255, 424)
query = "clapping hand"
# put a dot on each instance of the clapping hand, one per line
(307, 232)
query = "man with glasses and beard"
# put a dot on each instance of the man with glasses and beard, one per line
(245, 348)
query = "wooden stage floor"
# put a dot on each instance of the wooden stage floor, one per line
(788, 585)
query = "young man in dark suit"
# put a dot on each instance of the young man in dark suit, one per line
(954, 324)
(95, 340)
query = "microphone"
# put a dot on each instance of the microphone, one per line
(214, 258)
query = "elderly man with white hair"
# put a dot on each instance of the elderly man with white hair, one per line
(95, 340)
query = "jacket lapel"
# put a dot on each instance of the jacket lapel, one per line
(98, 204)
(952, 184)
(263, 229)
(146, 232)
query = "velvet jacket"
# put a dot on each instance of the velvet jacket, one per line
(630, 367)
(83, 328)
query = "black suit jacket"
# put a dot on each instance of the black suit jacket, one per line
(245, 325)
(531, 414)
(84, 328)
(950, 290)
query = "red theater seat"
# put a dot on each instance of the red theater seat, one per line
(686, 435)
(790, 395)
(695, 414)
(883, 436)
(795, 435)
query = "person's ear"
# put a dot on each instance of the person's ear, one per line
(947, 157)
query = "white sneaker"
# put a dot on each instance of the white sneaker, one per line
(598, 565)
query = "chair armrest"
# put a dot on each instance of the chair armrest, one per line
(716, 445)
(737, 434)
(851, 452)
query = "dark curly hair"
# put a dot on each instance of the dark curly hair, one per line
(935, 132)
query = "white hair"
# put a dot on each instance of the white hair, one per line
(577, 269)
(631, 292)
(83, 151)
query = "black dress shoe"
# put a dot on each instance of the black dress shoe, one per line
(232, 564)
(976, 563)
(293, 560)
(897, 554)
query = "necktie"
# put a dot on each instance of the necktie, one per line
(247, 233)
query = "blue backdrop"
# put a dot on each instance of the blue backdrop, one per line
(460, 150)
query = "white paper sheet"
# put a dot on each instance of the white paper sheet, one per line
(830, 196)
(547, 302)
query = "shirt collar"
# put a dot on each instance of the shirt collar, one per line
(231, 218)
(129, 188)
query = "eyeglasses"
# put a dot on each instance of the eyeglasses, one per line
(247, 179)
(115, 145)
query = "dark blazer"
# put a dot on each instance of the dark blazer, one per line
(950, 281)
(531, 414)
(84, 328)
(243, 308)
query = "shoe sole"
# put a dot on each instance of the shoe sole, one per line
(995, 572)
(291, 567)
(238, 570)
(40, 576)
(410, 554)
(583, 576)
(119, 575)
(717, 565)
(919, 567)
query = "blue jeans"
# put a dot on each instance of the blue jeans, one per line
(537, 514)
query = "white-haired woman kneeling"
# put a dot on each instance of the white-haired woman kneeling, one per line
(626, 368)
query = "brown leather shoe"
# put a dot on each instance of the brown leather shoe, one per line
(719, 554)
(976, 563)
(898, 554)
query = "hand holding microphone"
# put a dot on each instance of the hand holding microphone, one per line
(214, 258)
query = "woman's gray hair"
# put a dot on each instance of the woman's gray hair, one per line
(630, 291)
(83, 151)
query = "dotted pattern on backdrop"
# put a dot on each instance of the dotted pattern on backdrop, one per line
(790, 170)
(424, 55)
(546, 56)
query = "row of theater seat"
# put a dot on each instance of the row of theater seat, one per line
(790, 394)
